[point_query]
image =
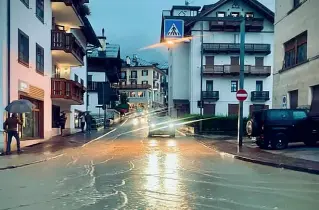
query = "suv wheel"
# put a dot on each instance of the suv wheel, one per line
(252, 128)
(279, 141)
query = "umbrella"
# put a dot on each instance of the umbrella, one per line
(20, 106)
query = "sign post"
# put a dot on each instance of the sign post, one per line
(241, 96)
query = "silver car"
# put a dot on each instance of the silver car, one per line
(161, 126)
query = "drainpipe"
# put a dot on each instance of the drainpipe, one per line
(8, 47)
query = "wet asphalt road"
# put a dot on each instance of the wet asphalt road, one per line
(127, 170)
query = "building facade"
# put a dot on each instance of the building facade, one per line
(221, 49)
(141, 81)
(296, 78)
(104, 66)
(40, 53)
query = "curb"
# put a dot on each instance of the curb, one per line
(258, 161)
(30, 163)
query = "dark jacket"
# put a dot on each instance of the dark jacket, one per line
(11, 124)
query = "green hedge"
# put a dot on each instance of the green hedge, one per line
(214, 124)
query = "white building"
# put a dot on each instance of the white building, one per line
(296, 61)
(34, 52)
(141, 81)
(221, 59)
(71, 35)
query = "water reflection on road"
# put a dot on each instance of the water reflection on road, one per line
(134, 172)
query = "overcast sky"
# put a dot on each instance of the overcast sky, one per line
(134, 24)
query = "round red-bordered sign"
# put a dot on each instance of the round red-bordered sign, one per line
(241, 95)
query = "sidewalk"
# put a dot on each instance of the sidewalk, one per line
(297, 157)
(49, 149)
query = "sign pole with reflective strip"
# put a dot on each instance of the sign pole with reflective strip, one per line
(241, 81)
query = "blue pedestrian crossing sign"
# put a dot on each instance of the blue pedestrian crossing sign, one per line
(173, 29)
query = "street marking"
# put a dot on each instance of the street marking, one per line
(124, 122)
(98, 138)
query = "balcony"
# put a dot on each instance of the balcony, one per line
(123, 77)
(66, 49)
(133, 86)
(234, 70)
(252, 25)
(67, 91)
(67, 13)
(259, 95)
(227, 48)
(211, 95)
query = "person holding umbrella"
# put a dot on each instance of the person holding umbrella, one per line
(11, 124)
(11, 127)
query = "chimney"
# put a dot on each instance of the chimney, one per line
(103, 32)
(128, 60)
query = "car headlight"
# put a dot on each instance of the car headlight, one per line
(171, 125)
(152, 125)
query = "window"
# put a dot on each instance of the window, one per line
(234, 61)
(25, 2)
(76, 78)
(144, 82)
(40, 9)
(123, 75)
(39, 59)
(82, 82)
(132, 94)
(278, 115)
(209, 85)
(234, 86)
(259, 61)
(234, 14)
(145, 73)
(233, 109)
(123, 83)
(89, 78)
(299, 115)
(134, 74)
(23, 48)
(141, 94)
(249, 14)
(259, 85)
(221, 14)
(296, 50)
(209, 60)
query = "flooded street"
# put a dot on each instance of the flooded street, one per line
(127, 170)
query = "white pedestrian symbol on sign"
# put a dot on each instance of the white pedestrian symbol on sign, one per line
(173, 31)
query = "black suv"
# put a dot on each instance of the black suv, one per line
(278, 127)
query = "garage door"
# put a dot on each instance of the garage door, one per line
(209, 109)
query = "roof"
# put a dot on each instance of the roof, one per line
(163, 66)
(186, 7)
(111, 51)
(253, 3)
(89, 33)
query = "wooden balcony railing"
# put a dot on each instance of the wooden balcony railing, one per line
(235, 70)
(212, 95)
(259, 95)
(133, 86)
(61, 40)
(252, 24)
(68, 90)
(235, 48)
